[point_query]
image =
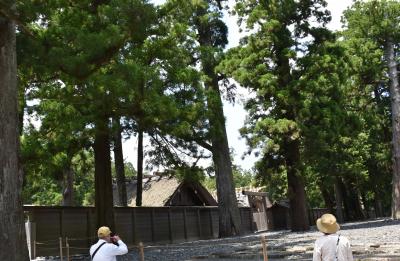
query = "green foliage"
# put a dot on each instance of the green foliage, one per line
(189, 173)
(44, 172)
(273, 177)
(365, 40)
(284, 63)
(83, 168)
(241, 178)
(326, 92)
(130, 170)
(119, 58)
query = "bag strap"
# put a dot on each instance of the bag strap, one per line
(337, 248)
(94, 253)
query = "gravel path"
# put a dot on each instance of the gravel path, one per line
(371, 240)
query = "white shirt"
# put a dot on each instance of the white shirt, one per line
(108, 251)
(325, 248)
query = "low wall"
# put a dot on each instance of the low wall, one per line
(52, 227)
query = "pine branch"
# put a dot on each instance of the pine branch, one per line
(10, 15)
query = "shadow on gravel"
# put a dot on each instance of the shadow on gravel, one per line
(370, 224)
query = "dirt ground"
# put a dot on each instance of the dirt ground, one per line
(370, 240)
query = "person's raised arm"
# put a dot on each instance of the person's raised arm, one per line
(121, 249)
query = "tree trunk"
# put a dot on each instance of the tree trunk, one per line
(351, 200)
(378, 206)
(119, 164)
(378, 201)
(12, 230)
(395, 104)
(327, 196)
(291, 148)
(68, 187)
(347, 211)
(139, 184)
(229, 215)
(103, 180)
(339, 201)
(296, 190)
(365, 206)
(21, 110)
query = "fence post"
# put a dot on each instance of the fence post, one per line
(134, 234)
(185, 223)
(211, 222)
(61, 252)
(61, 220)
(171, 238)
(141, 251)
(30, 230)
(67, 245)
(34, 249)
(199, 222)
(153, 237)
(264, 247)
(251, 217)
(88, 228)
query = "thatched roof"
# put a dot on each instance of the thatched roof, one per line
(156, 192)
(160, 190)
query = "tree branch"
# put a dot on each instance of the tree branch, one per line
(14, 17)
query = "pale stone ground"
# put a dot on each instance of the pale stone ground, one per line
(370, 240)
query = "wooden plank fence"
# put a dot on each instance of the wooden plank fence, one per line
(76, 225)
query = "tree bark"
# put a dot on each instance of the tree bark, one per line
(291, 148)
(68, 188)
(139, 184)
(378, 206)
(103, 180)
(296, 190)
(353, 201)
(347, 211)
(229, 215)
(12, 230)
(327, 196)
(119, 164)
(339, 201)
(395, 104)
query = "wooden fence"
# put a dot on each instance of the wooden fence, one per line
(75, 226)
(315, 213)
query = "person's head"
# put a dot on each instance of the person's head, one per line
(327, 224)
(104, 233)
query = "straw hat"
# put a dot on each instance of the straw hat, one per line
(327, 224)
(103, 232)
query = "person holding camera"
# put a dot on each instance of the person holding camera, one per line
(108, 246)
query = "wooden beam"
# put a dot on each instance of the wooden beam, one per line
(251, 193)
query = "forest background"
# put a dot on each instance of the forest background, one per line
(323, 110)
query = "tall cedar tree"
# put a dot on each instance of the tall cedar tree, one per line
(209, 36)
(267, 63)
(212, 37)
(77, 40)
(369, 84)
(13, 240)
(378, 20)
(119, 162)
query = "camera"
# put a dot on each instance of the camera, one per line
(113, 240)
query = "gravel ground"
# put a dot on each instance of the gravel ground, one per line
(370, 240)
